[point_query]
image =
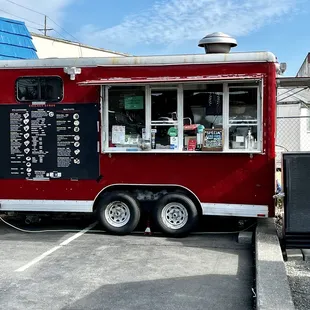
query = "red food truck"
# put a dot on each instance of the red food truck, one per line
(190, 135)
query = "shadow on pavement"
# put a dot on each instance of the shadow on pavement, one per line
(214, 292)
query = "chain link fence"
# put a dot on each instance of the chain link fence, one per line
(293, 134)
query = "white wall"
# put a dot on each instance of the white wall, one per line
(304, 70)
(49, 48)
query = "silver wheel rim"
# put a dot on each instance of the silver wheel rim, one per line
(174, 215)
(117, 214)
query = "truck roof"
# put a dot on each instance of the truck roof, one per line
(140, 60)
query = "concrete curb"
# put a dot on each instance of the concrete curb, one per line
(272, 287)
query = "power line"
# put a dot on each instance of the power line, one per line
(61, 36)
(45, 27)
(80, 48)
(27, 20)
(64, 30)
(29, 9)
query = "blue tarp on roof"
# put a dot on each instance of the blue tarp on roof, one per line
(15, 40)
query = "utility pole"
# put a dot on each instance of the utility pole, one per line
(45, 26)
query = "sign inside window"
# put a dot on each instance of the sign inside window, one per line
(192, 143)
(118, 134)
(133, 102)
(212, 140)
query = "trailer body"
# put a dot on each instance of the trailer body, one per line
(230, 179)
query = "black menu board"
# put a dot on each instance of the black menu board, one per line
(49, 141)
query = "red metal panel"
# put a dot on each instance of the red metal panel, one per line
(73, 93)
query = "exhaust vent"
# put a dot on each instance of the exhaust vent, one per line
(217, 42)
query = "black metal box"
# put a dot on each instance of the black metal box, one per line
(296, 186)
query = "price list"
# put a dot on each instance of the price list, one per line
(49, 142)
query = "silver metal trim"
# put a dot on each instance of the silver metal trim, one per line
(179, 123)
(86, 206)
(242, 210)
(225, 115)
(180, 94)
(180, 115)
(259, 122)
(140, 60)
(168, 151)
(105, 124)
(46, 205)
(148, 112)
(260, 103)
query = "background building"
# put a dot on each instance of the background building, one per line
(293, 116)
(15, 40)
(304, 70)
(50, 47)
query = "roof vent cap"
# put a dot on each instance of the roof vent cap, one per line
(217, 42)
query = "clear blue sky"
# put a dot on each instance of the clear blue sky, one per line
(143, 27)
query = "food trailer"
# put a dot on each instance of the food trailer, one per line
(190, 135)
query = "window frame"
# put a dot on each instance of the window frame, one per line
(104, 95)
(38, 77)
(180, 96)
(179, 89)
(258, 124)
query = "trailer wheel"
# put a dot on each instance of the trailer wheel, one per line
(119, 213)
(176, 215)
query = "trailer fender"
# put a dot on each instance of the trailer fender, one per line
(153, 187)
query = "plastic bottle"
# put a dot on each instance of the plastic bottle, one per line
(249, 141)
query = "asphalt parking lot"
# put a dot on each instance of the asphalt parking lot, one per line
(77, 270)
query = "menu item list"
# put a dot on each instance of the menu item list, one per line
(49, 142)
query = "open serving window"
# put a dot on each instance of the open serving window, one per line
(188, 117)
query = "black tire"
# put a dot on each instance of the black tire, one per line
(166, 225)
(113, 223)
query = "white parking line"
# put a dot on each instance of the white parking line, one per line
(55, 248)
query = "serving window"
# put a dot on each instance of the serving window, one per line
(126, 116)
(164, 119)
(203, 109)
(191, 117)
(244, 118)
